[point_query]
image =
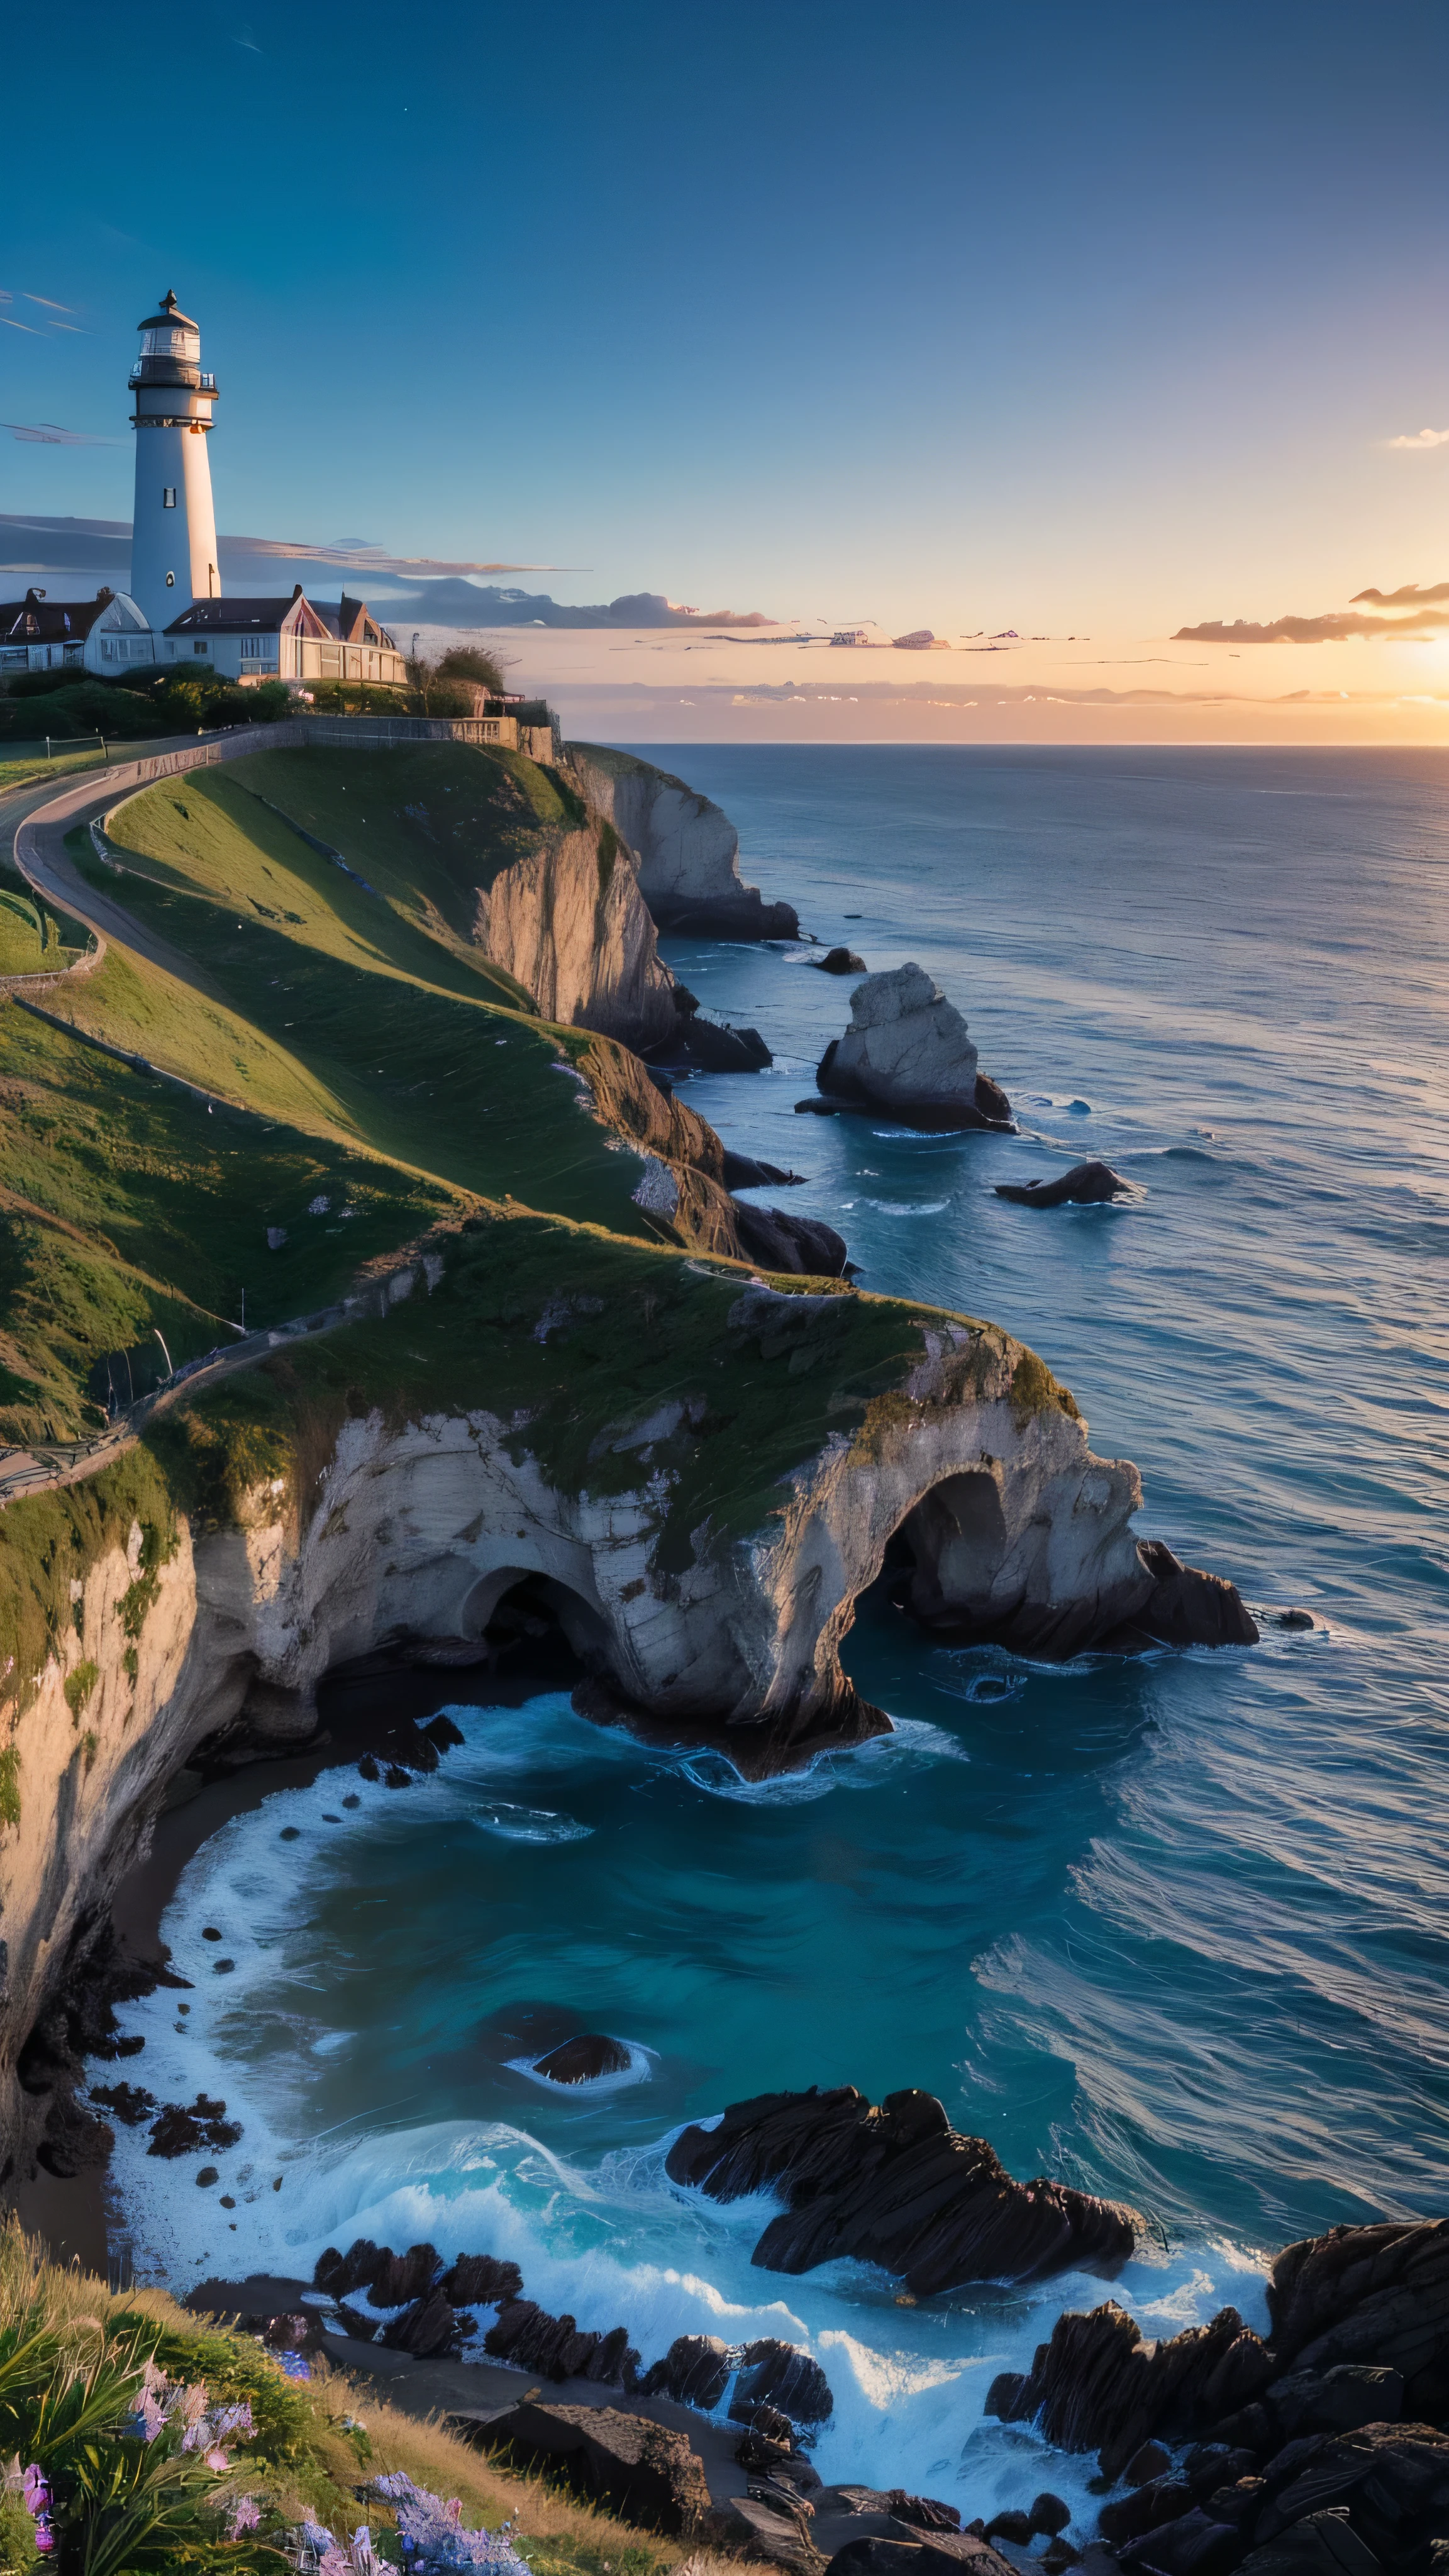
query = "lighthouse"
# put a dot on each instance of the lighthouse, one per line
(173, 538)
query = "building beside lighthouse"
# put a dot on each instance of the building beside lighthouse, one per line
(175, 613)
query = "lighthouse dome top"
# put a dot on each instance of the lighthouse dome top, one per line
(170, 317)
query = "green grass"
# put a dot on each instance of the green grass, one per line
(316, 999)
(72, 2355)
(32, 941)
(25, 762)
(127, 1206)
(638, 1329)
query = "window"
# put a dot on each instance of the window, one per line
(168, 496)
(171, 581)
(75, 653)
(108, 648)
(13, 658)
(258, 648)
(198, 648)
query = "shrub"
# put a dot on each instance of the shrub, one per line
(471, 662)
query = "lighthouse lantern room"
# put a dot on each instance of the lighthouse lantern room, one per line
(173, 541)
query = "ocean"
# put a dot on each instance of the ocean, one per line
(1172, 1929)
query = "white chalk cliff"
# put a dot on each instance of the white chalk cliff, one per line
(683, 848)
(411, 1536)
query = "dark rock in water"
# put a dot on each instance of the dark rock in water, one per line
(367, 1767)
(352, 2321)
(207, 2176)
(1151, 2461)
(839, 961)
(442, 1732)
(398, 2278)
(1097, 2387)
(693, 2372)
(640, 2470)
(895, 2186)
(531, 2339)
(1085, 1185)
(1049, 2514)
(614, 2362)
(781, 2377)
(128, 2103)
(819, 1108)
(992, 1103)
(1011, 2525)
(1294, 1619)
(742, 1172)
(180, 2130)
(1182, 1607)
(802, 1245)
(1185, 1608)
(580, 2061)
(430, 2327)
(395, 1777)
(711, 1046)
(337, 2273)
(1375, 2295)
(481, 2280)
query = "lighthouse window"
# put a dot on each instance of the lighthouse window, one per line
(168, 496)
(171, 581)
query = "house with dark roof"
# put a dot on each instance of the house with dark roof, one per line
(38, 633)
(292, 639)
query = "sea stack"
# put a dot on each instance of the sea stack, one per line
(907, 1050)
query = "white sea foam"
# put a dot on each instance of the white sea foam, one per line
(642, 2062)
(909, 1207)
(530, 1824)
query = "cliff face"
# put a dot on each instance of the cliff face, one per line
(569, 922)
(405, 1534)
(685, 850)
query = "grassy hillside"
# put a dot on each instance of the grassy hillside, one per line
(78, 2363)
(372, 1080)
(312, 995)
(370, 1073)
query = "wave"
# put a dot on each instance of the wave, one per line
(530, 1824)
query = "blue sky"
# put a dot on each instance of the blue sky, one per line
(951, 315)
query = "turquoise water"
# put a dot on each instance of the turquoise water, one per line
(1172, 1929)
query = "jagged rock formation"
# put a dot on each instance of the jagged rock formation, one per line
(1322, 2448)
(895, 2186)
(683, 849)
(907, 1051)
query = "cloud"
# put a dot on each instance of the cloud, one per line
(1410, 596)
(1423, 438)
(1335, 629)
(44, 433)
(12, 325)
(48, 301)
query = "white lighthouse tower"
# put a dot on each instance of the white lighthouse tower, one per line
(173, 539)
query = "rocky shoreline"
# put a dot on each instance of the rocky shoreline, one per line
(1320, 2450)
